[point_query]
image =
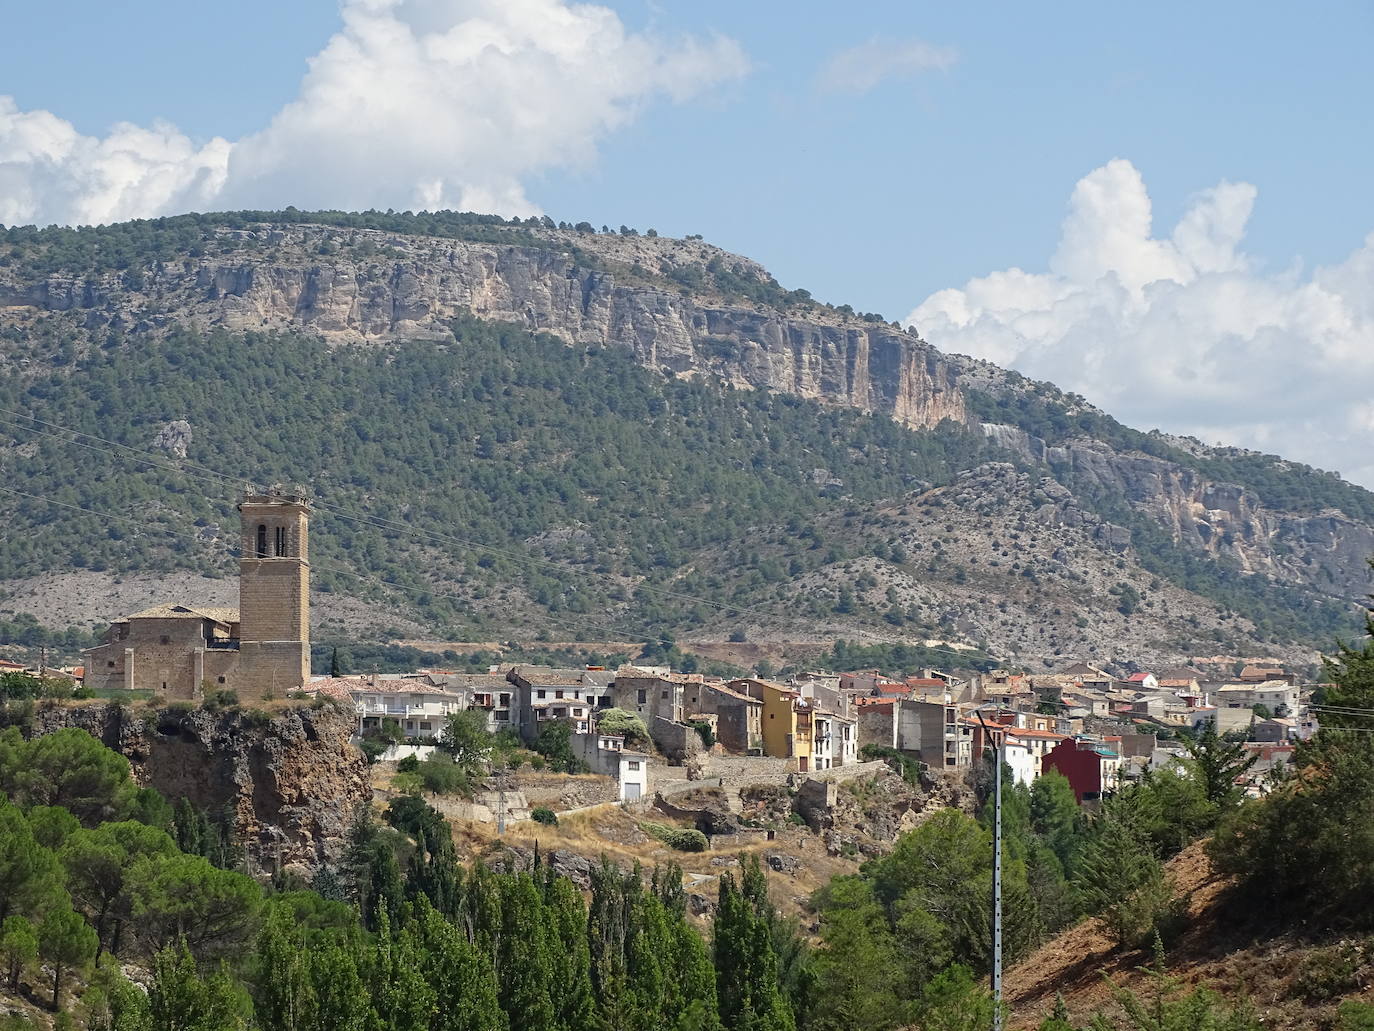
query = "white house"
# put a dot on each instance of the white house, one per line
(1021, 760)
(606, 754)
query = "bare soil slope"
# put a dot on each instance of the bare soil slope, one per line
(1292, 982)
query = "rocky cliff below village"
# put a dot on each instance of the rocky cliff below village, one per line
(290, 777)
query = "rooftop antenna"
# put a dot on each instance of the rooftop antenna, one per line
(998, 738)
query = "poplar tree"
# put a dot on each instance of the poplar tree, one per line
(284, 999)
(465, 992)
(746, 965)
(523, 955)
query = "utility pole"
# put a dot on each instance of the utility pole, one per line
(998, 738)
(1000, 743)
(43, 662)
(501, 800)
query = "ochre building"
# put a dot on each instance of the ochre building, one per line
(260, 650)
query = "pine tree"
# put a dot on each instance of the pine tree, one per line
(1116, 873)
(67, 942)
(18, 948)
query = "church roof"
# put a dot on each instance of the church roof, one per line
(173, 611)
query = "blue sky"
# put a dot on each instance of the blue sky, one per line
(880, 194)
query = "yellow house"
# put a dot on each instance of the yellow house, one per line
(787, 720)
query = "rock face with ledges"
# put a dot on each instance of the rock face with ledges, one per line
(291, 778)
(417, 283)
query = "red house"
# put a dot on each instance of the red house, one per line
(1091, 766)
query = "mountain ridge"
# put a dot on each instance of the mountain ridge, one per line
(1273, 548)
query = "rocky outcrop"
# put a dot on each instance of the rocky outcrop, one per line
(291, 778)
(376, 285)
(174, 438)
(1226, 520)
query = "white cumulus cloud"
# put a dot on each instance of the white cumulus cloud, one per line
(1184, 332)
(411, 104)
(859, 68)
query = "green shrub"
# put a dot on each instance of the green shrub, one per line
(682, 839)
(544, 815)
(704, 731)
(1355, 1016)
(440, 775)
(410, 764)
(621, 721)
(908, 768)
(373, 747)
(1330, 973)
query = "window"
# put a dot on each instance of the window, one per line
(643, 696)
(110, 664)
(558, 694)
(505, 700)
(221, 679)
(281, 542)
(424, 725)
(632, 764)
(663, 695)
(539, 694)
(577, 712)
(262, 541)
(410, 724)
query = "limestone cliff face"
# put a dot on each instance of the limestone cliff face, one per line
(292, 779)
(376, 286)
(1327, 549)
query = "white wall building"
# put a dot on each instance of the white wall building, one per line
(607, 755)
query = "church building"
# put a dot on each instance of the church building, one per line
(259, 650)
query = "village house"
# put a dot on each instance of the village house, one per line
(418, 709)
(739, 718)
(1259, 674)
(493, 693)
(799, 728)
(1092, 766)
(259, 650)
(545, 693)
(935, 731)
(1278, 696)
(607, 755)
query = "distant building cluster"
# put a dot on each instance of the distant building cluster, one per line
(1097, 729)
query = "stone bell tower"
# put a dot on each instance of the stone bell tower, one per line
(274, 595)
